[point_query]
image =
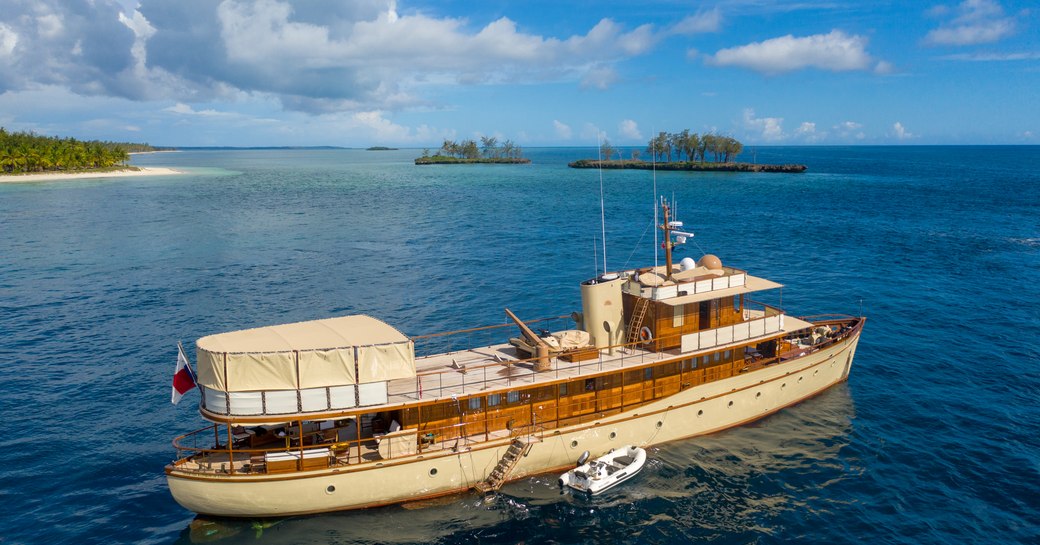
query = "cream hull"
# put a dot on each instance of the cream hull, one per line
(695, 411)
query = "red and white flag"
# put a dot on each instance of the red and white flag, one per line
(183, 376)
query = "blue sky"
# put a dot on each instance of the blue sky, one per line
(540, 73)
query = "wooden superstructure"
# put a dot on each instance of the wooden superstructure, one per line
(652, 342)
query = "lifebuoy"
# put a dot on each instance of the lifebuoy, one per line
(646, 335)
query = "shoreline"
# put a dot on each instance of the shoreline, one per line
(55, 176)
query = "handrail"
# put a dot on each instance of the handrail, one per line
(827, 317)
(483, 328)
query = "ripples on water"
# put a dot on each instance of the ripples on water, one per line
(934, 439)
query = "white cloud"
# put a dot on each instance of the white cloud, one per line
(992, 57)
(590, 132)
(599, 77)
(630, 130)
(8, 40)
(562, 130)
(900, 132)
(767, 128)
(705, 21)
(835, 51)
(847, 130)
(49, 25)
(977, 22)
(183, 109)
(382, 129)
(807, 132)
(316, 57)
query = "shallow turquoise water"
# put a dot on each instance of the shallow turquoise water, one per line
(933, 440)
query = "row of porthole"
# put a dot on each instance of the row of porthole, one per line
(757, 395)
(332, 488)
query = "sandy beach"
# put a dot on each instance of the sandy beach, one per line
(54, 176)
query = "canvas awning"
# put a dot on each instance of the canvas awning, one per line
(313, 354)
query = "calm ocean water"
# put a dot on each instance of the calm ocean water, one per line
(935, 438)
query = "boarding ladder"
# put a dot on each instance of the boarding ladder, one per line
(498, 475)
(638, 313)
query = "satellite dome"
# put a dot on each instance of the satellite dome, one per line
(710, 262)
(687, 263)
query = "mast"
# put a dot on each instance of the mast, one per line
(653, 200)
(667, 240)
(602, 217)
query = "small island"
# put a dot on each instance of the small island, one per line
(489, 152)
(691, 154)
(380, 148)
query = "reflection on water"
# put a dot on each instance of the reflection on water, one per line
(734, 483)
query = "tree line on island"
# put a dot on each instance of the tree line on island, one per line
(683, 150)
(468, 151)
(694, 147)
(25, 152)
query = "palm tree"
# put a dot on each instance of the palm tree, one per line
(489, 144)
(605, 150)
(507, 148)
(731, 147)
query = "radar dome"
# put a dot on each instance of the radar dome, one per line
(687, 263)
(710, 262)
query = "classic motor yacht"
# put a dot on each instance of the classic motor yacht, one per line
(340, 413)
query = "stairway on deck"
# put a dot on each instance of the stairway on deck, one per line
(634, 326)
(498, 475)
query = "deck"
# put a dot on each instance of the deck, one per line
(495, 367)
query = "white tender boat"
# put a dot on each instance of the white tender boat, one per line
(607, 471)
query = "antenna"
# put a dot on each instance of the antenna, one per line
(602, 219)
(595, 258)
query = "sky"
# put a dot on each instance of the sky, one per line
(405, 73)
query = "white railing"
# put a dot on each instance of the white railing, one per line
(733, 333)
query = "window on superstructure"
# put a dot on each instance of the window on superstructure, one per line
(494, 400)
(544, 393)
(512, 397)
(475, 403)
(727, 355)
(677, 315)
(563, 389)
(648, 373)
(590, 385)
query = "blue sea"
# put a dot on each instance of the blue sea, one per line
(934, 439)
